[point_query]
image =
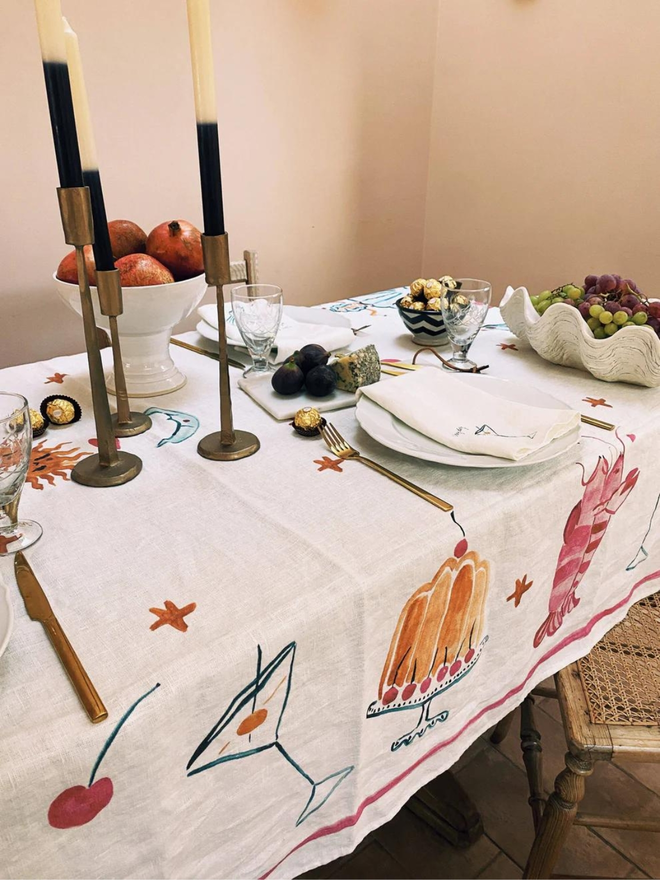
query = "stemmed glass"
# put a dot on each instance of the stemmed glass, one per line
(464, 310)
(15, 448)
(257, 311)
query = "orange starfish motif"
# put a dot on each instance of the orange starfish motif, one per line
(329, 464)
(597, 401)
(5, 542)
(521, 588)
(172, 615)
(505, 346)
(57, 378)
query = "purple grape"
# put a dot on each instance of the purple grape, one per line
(640, 307)
(655, 323)
(628, 285)
(591, 290)
(597, 289)
(629, 301)
(627, 311)
(590, 281)
(617, 278)
(612, 307)
(584, 310)
(606, 283)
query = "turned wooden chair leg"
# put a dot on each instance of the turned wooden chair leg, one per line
(558, 817)
(502, 729)
(530, 743)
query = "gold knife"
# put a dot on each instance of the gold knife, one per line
(210, 354)
(38, 607)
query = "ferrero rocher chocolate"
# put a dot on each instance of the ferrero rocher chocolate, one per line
(434, 305)
(418, 306)
(38, 423)
(60, 410)
(433, 289)
(406, 302)
(448, 281)
(418, 286)
(308, 421)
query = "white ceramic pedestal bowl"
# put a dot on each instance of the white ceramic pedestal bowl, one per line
(150, 315)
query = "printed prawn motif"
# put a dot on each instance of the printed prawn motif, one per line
(604, 493)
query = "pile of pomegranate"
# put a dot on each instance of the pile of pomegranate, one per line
(171, 252)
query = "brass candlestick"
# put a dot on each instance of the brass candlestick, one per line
(124, 422)
(109, 467)
(225, 444)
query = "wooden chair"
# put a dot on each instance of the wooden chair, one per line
(610, 708)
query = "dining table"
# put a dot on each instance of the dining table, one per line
(290, 646)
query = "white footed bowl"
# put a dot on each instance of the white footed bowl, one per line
(561, 335)
(150, 315)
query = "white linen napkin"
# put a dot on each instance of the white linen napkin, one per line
(291, 336)
(466, 417)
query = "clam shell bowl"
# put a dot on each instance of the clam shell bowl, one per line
(561, 335)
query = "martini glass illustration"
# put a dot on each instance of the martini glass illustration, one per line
(251, 724)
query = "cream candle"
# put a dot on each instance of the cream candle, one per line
(58, 91)
(91, 177)
(201, 53)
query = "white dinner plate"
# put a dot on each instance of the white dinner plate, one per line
(302, 314)
(395, 434)
(6, 618)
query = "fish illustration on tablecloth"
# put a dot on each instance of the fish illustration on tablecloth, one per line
(185, 424)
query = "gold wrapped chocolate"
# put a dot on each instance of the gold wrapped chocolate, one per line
(308, 421)
(433, 289)
(406, 302)
(417, 286)
(60, 411)
(38, 423)
(434, 305)
(448, 281)
(418, 306)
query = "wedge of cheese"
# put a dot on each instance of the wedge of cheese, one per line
(358, 368)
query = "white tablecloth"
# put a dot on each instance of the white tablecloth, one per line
(322, 602)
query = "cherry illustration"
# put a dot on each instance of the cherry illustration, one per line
(80, 804)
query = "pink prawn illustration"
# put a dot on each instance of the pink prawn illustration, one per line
(604, 493)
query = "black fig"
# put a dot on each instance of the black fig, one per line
(320, 381)
(288, 379)
(311, 356)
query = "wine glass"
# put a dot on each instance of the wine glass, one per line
(15, 448)
(464, 310)
(257, 311)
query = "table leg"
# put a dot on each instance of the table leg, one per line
(447, 808)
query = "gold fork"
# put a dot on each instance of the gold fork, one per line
(339, 447)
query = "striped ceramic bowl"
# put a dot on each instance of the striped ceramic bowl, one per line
(426, 328)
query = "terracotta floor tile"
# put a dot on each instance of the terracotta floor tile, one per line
(471, 752)
(499, 790)
(425, 854)
(501, 868)
(371, 863)
(648, 774)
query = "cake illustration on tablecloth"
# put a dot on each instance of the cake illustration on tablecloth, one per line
(438, 640)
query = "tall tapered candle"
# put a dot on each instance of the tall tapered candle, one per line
(58, 90)
(90, 169)
(208, 146)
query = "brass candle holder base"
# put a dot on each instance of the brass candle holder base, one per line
(213, 448)
(137, 423)
(225, 444)
(91, 472)
(125, 423)
(109, 467)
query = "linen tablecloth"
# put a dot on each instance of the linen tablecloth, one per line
(311, 642)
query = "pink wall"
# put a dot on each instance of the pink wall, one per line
(325, 112)
(545, 151)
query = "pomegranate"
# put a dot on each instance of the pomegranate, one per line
(68, 270)
(140, 270)
(178, 245)
(126, 238)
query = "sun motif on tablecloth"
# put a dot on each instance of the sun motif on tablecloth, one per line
(49, 462)
(604, 493)
(437, 641)
(251, 724)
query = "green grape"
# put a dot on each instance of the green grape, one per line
(543, 307)
(620, 318)
(599, 332)
(572, 291)
(606, 317)
(593, 323)
(596, 310)
(534, 300)
(610, 329)
(545, 294)
(640, 318)
(556, 299)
